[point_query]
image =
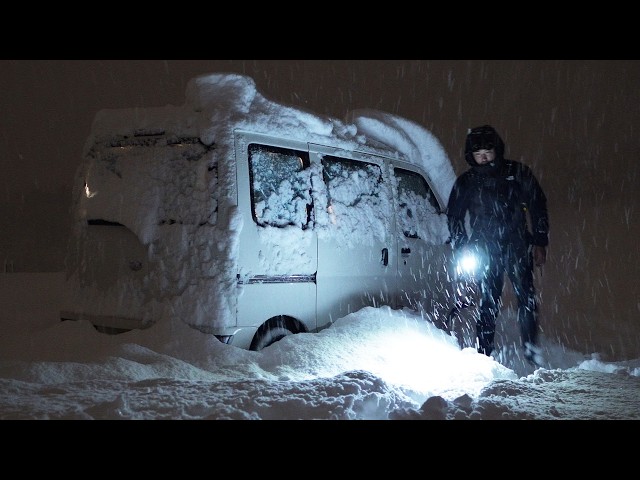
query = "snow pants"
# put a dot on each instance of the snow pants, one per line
(516, 260)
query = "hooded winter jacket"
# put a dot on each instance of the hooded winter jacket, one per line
(497, 197)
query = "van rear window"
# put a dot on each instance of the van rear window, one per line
(280, 186)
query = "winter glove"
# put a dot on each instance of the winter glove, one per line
(539, 255)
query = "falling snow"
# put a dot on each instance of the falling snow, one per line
(68, 370)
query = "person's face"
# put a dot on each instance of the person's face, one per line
(482, 157)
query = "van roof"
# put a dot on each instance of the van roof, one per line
(216, 104)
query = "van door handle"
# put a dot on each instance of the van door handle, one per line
(405, 251)
(385, 256)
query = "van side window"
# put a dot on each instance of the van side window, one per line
(358, 205)
(416, 202)
(280, 186)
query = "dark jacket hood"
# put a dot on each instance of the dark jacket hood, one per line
(483, 137)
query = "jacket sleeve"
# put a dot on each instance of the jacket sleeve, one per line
(537, 206)
(456, 211)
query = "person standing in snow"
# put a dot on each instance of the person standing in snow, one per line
(501, 198)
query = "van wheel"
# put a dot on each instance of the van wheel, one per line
(270, 332)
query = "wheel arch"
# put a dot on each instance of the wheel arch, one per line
(275, 329)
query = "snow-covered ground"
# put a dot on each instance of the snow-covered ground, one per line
(375, 364)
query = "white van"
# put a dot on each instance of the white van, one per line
(251, 220)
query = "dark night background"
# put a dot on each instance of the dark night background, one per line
(575, 122)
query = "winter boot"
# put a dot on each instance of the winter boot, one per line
(533, 354)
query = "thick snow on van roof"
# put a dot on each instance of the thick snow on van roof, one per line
(188, 200)
(217, 103)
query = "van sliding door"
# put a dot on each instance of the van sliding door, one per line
(277, 252)
(356, 258)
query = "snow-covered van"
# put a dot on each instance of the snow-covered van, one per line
(251, 220)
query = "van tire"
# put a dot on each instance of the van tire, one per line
(270, 332)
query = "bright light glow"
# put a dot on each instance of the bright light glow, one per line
(400, 347)
(468, 264)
